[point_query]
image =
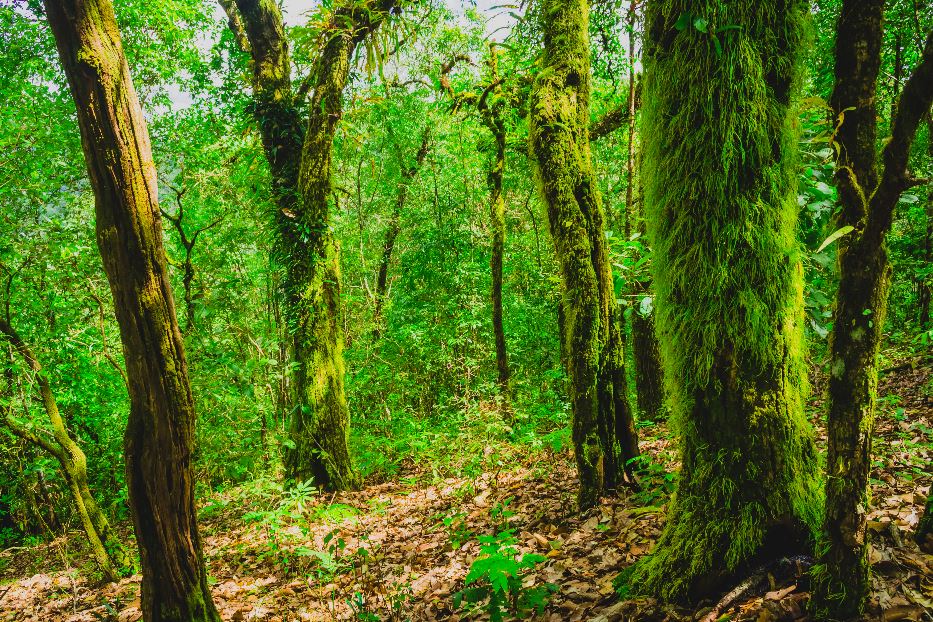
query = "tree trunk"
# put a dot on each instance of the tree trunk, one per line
(603, 427)
(300, 163)
(490, 106)
(395, 227)
(649, 384)
(867, 203)
(646, 352)
(925, 286)
(728, 283)
(160, 429)
(111, 557)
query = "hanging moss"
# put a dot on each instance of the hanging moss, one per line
(720, 193)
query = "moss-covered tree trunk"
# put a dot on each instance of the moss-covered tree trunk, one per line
(646, 352)
(491, 106)
(299, 154)
(867, 203)
(160, 430)
(649, 380)
(925, 286)
(603, 427)
(720, 185)
(111, 557)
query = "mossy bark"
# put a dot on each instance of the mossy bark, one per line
(299, 154)
(160, 429)
(867, 203)
(646, 351)
(111, 557)
(719, 190)
(491, 106)
(603, 426)
(649, 377)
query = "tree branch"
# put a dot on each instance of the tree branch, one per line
(915, 102)
(609, 122)
(236, 25)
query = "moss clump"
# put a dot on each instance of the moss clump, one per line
(719, 189)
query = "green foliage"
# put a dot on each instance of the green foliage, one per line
(498, 577)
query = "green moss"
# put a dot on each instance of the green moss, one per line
(720, 191)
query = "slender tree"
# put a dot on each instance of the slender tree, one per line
(719, 188)
(188, 237)
(491, 104)
(109, 553)
(409, 172)
(867, 204)
(299, 152)
(646, 351)
(160, 431)
(603, 426)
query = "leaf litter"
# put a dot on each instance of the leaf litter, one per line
(401, 550)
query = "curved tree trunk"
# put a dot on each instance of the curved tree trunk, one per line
(603, 427)
(867, 204)
(299, 156)
(721, 219)
(111, 557)
(160, 430)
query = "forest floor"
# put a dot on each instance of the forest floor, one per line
(401, 550)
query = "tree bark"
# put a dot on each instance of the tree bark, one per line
(299, 156)
(925, 286)
(646, 352)
(649, 383)
(491, 108)
(111, 557)
(603, 426)
(728, 287)
(867, 203)
(160, 429)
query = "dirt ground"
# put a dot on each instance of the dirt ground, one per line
(401, 550)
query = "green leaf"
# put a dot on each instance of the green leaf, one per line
(701, 24)
(835, 235)
(683, 21)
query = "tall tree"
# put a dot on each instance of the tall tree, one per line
(719, 189)
(491, 103)
(646, 351)
(299, 152)
(160, 430)
(603, 426)
(409, 172)
(867, 204)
